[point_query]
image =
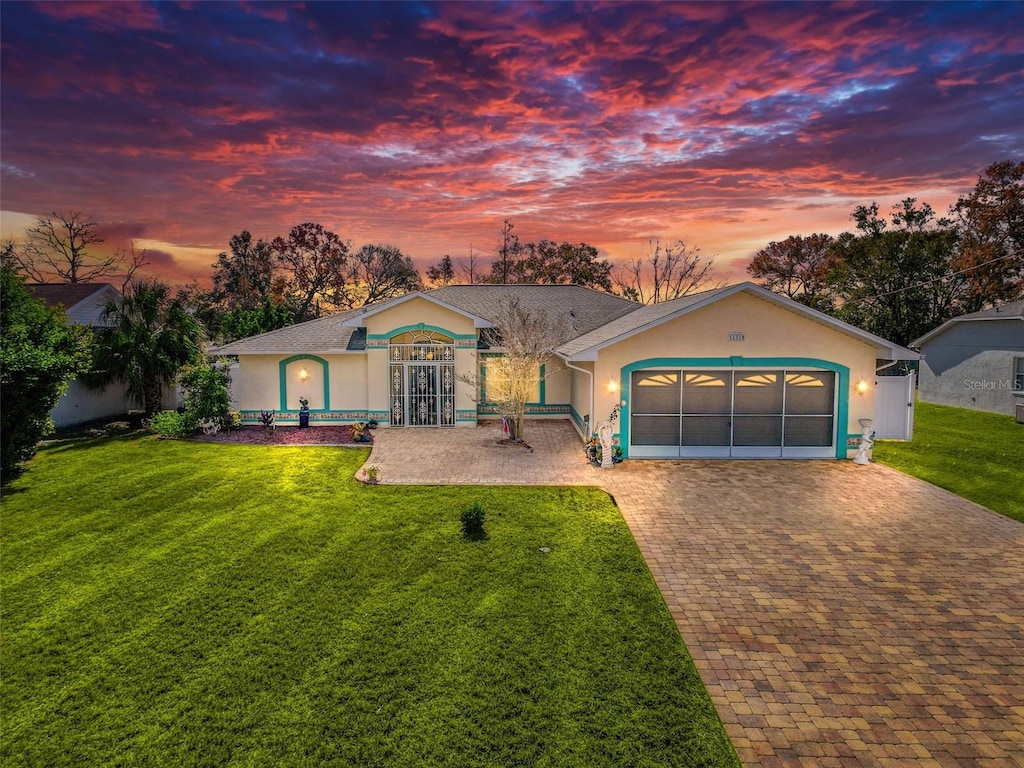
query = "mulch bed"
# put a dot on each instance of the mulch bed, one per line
(285, 436)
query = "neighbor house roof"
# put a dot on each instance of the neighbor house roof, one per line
(1012, 311)
(82, 302)
(326, 334)
(587, 346)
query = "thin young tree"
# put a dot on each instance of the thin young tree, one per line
(527, 340)
(469, 269)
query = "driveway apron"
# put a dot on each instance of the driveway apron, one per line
(839, 615)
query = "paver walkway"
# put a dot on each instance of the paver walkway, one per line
(839, 615)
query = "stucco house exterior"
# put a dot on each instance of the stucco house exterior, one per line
(975, 361)
(83, 304)
(732, 372)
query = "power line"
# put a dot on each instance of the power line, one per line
(935, 279)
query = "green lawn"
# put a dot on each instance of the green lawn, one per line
(974, 454)
(187, 604)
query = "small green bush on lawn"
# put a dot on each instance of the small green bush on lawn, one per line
(473, 521)
(186, 604)
(974, 454)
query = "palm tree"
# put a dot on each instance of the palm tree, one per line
(151, 339)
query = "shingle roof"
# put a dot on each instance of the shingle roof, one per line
(583, 309)
(1002, 312)
(326, 334)
(1012, 311)
(640, 316)
(66, 295)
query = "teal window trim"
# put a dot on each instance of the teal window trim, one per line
(282, 368)
(842, 384)
(419, 327)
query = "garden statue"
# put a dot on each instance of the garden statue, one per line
(303, 413)
(867, 439)
(604, 433)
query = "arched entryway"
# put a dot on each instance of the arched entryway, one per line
(422, 379)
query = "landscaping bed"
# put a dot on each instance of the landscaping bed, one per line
(284, 436)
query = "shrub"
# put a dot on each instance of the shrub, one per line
(473, 521)
(39, 354)
(206, 391)
(233, 420)
(174, 424)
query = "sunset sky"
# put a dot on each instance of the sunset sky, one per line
(425, 125)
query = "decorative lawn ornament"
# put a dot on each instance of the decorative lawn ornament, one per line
(867, 439)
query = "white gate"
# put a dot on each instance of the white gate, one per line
(894, 407)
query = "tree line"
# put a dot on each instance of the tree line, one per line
(902, 275)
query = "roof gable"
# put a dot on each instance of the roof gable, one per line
(83, 303)
(1012, 311)
(358, 319)
(587, 347)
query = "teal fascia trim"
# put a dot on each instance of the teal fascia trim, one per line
(419, 327)
(841, 371)
(283, 390)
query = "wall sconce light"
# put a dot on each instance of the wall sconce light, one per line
(613, 386)
(862, 387)
(303, 374)
(430, 355)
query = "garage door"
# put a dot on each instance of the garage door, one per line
(739, 413)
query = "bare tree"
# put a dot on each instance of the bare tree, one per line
(527, 340)
(470, 271)
(666, 273)
(131, 261)
(57, 248)
(509, 254)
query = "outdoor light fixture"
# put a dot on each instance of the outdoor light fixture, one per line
(612, 385)
(862, 387)
(303, 374)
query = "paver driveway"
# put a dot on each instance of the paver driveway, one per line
(839, 615)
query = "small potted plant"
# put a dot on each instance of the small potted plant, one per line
(372, 474)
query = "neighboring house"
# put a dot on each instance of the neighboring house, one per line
(975, 361)
(733, 372)
(83, 303)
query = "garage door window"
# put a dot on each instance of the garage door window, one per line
(733, 412)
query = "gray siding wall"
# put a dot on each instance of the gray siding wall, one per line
(970, 365)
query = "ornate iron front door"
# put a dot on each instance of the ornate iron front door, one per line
(422, 385)
(423, 400)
